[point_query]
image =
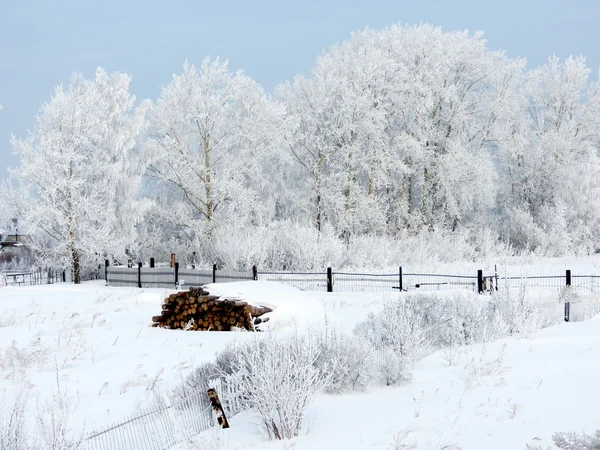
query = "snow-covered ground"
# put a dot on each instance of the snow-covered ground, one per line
(92, 345)
(501, 395)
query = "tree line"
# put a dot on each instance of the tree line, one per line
(407, 131)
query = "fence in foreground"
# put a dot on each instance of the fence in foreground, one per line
(164, 426)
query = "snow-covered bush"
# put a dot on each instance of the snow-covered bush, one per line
(53, 419)
(574, 441)
(282, 245)
(13, 435)
(348, 359)
(522, 313)
(467, 318)
(278, 377)
(399, 331)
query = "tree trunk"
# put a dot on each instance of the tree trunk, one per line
(71, 235)
(319, 200)
(210, 206)
(425, 195)
(76, 266)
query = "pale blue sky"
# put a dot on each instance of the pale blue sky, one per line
(42, 42)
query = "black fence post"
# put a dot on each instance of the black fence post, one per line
(176, 273)
(567, 303)
(106, 264)
(254, 273)
(152, 263)
(480, 281)
(329, 280)
(214, 273)
(400, 278)
(139, 274)
(64, 276)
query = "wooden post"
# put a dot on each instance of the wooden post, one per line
(139, 274)
(152, 263)
(173, 260)
(400, 278)
(329, 280)
(254, 273)
(567, 303)
(176, 274)
(480, 281)
(106, 264)
(216, 404)
(214, 273)
(193, 260)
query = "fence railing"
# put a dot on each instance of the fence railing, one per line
(31, 277)
(342, 281)
(331, 281)
(166, 425)
(170, 277)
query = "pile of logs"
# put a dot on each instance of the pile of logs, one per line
(196, 309)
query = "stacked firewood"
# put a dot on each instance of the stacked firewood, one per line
(196, 309)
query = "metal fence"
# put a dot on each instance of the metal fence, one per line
(331, 281)
(306, 281)
(31, 277)
(170, 277)
(165, 426)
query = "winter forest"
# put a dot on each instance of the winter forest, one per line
(404, 144)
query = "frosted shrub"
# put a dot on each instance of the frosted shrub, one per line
(399, 334)
(349, 361)
(282, 245)
(13, 435)
(54, 417)
(465, 320)
(520, 313)
(574, 441)
(278, 378)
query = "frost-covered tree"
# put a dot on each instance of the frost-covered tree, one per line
(396, 128)
(550, 163)
(82, 170)
(210, 133)
(449, 93)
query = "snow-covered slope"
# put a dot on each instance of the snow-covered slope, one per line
(93, 345)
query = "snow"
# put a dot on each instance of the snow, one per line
(499, 396)
(96, 341)
(291, 307)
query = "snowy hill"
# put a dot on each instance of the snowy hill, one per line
(88, 352)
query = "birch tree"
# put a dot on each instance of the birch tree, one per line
(210, 132)
(82, 171)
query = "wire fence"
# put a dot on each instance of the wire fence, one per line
(166, 425)
(331, 281)
(536, 283)
(305, 281)
(31, 277)
(170, 277)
